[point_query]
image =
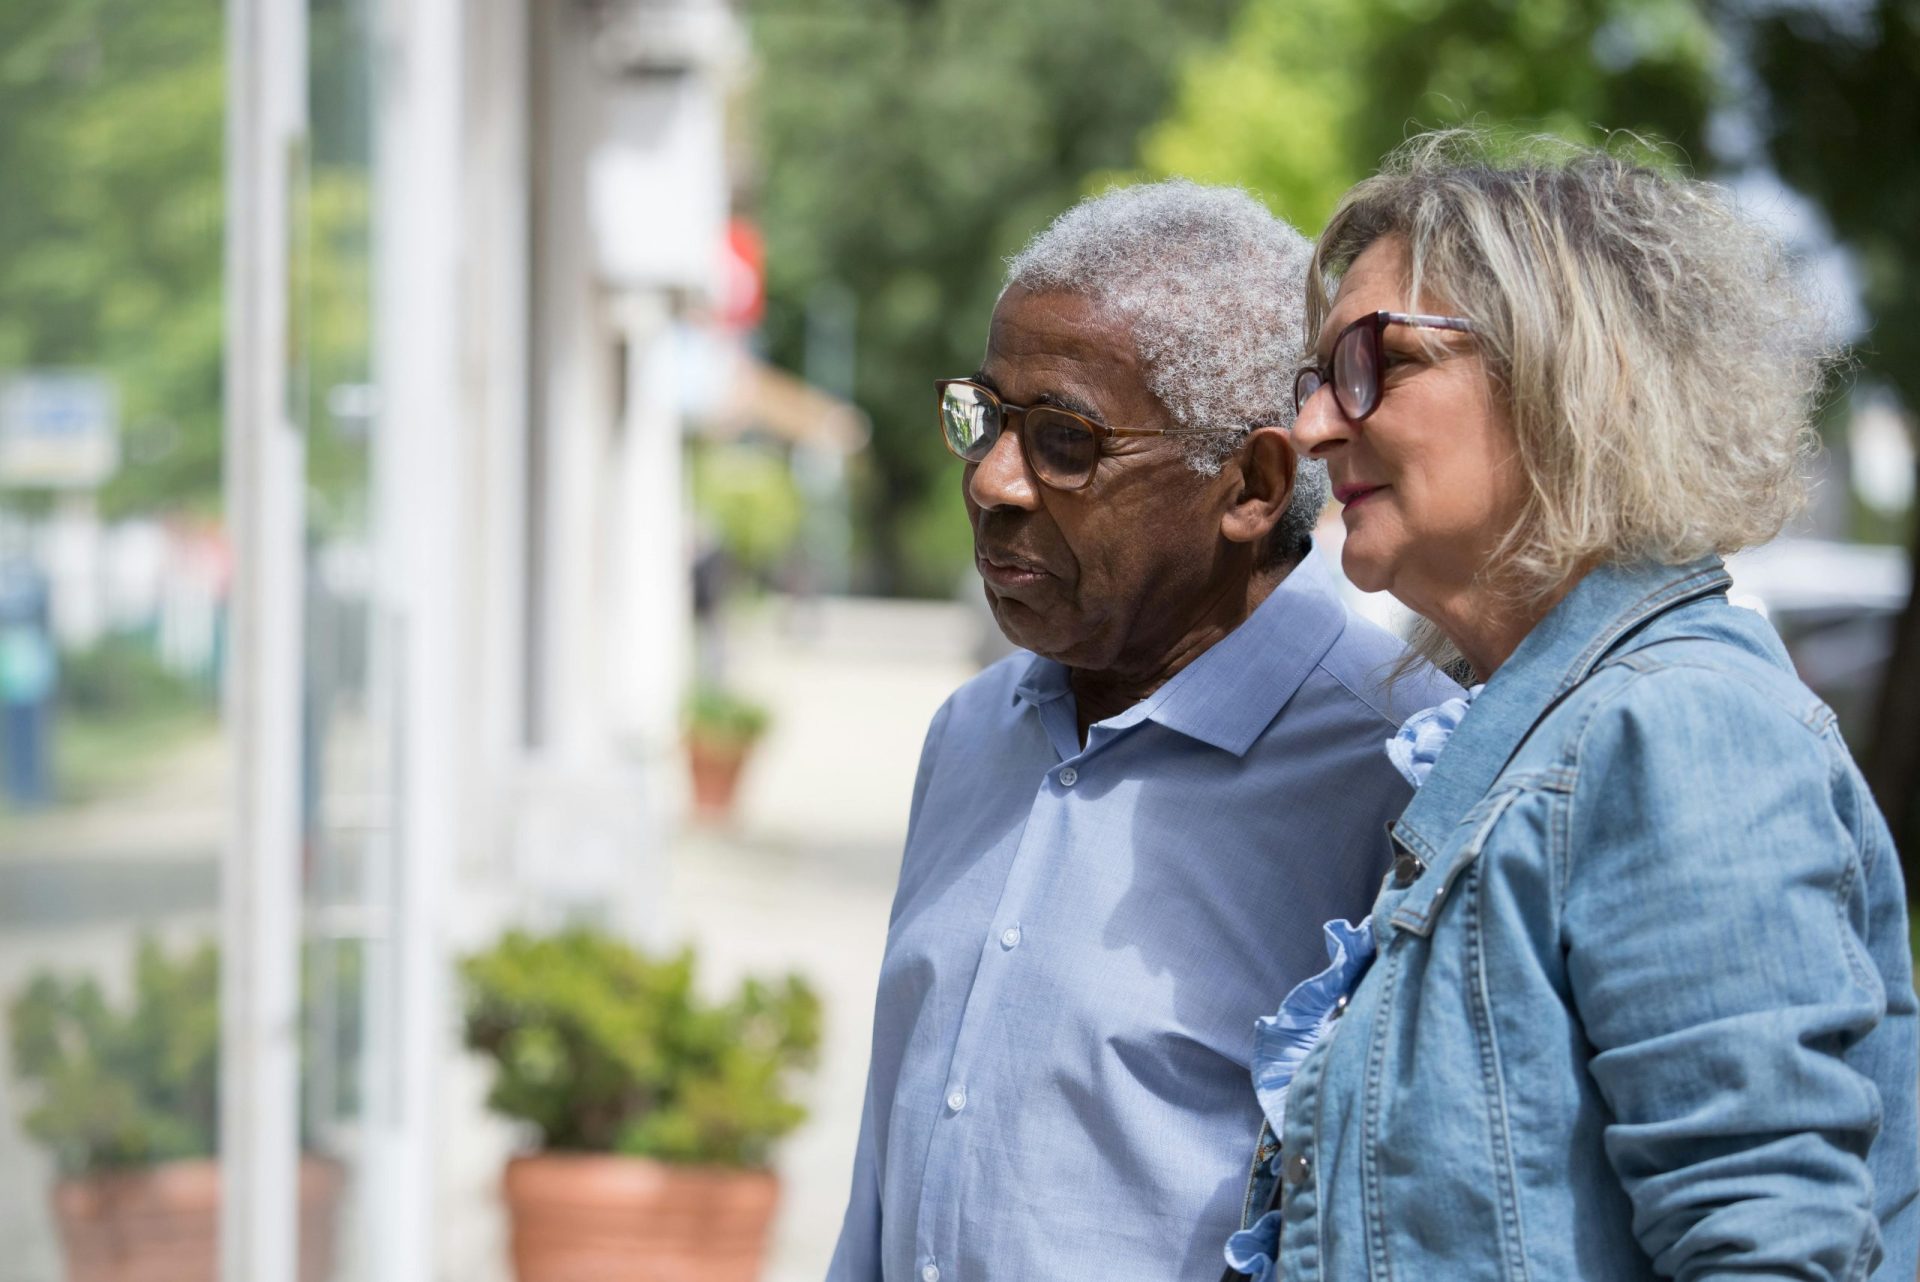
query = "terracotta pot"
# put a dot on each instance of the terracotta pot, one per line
(717, 765)
(594, 1218)
(162, 1223)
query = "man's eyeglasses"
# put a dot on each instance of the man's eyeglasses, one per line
(1358, 357)
(1062, 447)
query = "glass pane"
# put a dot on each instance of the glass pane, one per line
(114, 776)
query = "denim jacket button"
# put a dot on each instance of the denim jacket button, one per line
(1406, 868)
(1296, 1169)
(1340, 1005)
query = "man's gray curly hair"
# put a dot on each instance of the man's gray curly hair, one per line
(1213, 287)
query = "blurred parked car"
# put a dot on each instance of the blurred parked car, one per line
(1835, 605)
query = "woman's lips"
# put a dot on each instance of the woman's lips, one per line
(1353, 495)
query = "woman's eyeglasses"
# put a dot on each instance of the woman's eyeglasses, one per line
(1061, 446)
(1358, 357)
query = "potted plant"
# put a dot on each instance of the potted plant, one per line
(128, 1104)
(722, 728)
(654, 1111)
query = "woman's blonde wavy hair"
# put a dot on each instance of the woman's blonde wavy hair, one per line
(1659, 354)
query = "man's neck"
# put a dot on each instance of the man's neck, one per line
(1107, 693)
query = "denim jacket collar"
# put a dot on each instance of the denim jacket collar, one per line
(1560, 652)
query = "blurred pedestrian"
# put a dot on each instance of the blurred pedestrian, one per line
(1119, 834)
(29, 671)
(1637, 999)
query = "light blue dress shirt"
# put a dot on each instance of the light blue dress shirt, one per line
(1083, 938)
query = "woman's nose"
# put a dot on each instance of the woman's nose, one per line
(1320, 426)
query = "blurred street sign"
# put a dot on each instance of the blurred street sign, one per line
(59, 429)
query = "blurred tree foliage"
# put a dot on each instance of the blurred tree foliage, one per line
(907, 147)
(112, 216)
(110, 221)
(1843, 126)
(1307, 96)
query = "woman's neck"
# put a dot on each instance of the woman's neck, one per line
(1485, 624)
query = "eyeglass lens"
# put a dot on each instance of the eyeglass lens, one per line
(971, 420)
(1355, 376)
(1059, 448)
(1356, 370)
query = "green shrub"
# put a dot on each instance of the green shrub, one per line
(717, 714)
(603, 1049)
(132, 1087)
(750, 497)
(123, 1088)
(120, 676)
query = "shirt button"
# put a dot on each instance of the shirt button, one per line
(1010, 937)
(1069, 777)
(1296, 1169)
(957, 1098)
(930, 1274)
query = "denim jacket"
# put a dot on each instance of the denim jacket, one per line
(1643, 1003)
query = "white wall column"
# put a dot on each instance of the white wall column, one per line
(265, 494)
(423, 462)
(652, 609)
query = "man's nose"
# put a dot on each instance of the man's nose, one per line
(1320, 427)
(1002, 478)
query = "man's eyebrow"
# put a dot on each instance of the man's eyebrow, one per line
(1059, 400)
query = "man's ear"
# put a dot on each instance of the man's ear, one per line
(1267, 468)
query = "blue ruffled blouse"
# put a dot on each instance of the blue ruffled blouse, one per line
(1282, 1040)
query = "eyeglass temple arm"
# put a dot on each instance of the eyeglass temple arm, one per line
(1460, 323)
(1179, 431)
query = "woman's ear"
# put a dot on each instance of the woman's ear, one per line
(1267, 468)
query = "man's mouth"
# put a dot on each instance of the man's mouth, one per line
(1353, 495)
(1008, 569)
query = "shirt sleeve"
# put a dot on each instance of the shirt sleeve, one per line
(1715, 917)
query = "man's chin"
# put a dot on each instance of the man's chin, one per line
(1021, 624)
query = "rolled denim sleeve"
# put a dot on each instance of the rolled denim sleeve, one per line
(1716, 928)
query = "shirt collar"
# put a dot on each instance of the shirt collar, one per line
(1560, 652)
(1231, 693)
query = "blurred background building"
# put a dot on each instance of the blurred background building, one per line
(421, 421)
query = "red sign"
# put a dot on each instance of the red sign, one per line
(743, 290)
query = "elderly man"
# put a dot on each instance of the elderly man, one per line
(1124, 844)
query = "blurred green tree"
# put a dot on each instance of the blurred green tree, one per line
(1306, 96)
(112, 127)
(110, 221)
(1843, 127)
(907, 147)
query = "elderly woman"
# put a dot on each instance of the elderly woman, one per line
(1636, 999)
